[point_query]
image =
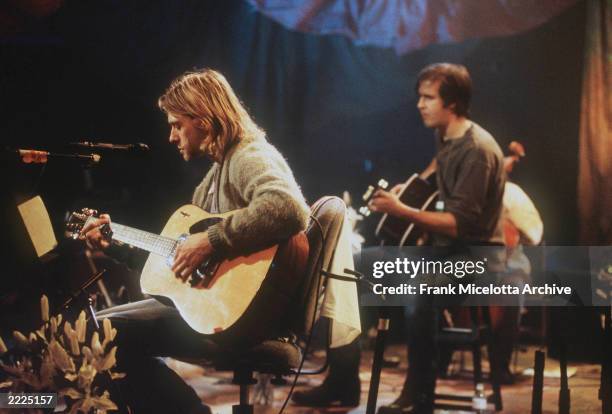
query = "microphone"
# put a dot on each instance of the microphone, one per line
(29, 156)
(138, 147)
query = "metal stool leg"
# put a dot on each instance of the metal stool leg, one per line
(244, 379)
(497, 399)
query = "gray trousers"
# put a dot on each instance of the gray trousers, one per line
(146, 331)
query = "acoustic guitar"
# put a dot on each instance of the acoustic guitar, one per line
(225, 296)
(417, 193)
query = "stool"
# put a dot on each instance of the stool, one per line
(479, 333)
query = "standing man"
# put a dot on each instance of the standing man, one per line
(470, 177)
(249, 176)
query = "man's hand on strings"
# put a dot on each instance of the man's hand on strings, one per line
(191, 254)
(387, 202)
(92, 234)
(397, 188)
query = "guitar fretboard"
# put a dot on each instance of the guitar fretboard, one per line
(151, 242)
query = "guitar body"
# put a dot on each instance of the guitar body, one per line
(241, 299)
(218, 306)
(417, 193)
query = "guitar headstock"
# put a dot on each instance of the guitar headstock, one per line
(77, 220)
(516, 152)
(367, 196)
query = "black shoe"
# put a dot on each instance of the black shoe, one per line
(326, 395)
(401, 405)
(402, 402)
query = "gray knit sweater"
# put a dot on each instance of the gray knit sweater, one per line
(255, 181)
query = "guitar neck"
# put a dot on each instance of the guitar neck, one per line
(150, 242)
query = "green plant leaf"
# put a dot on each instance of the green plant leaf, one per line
(80, 326)
(3, 348)
(47, 371)
(54, 323)
(104, 402)
(41, 334)
(109, 360)
(87, 353)
(96, 347)
(22, 341)
(44, 308)
(87, 374)
(117, 375)
(71, 376)
(71, 392)
(60, 357)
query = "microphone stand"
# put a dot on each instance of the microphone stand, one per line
(80, 293)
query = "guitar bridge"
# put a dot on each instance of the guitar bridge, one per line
(203, 276)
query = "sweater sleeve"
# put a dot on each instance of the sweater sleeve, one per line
(275, 208)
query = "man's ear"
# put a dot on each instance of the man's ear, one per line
(452, 107)
(199, 123)
(216, 126)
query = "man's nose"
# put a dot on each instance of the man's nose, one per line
(420, 104)
(172, 138)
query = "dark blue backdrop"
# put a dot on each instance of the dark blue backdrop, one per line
(342, 115)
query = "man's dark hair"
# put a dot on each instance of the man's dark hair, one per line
(455, 84)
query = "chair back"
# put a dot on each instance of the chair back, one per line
(329, 212)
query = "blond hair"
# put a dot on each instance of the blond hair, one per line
(206, 95)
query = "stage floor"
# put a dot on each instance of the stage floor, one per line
(216, 389)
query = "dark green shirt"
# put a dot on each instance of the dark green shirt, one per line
(471, 177)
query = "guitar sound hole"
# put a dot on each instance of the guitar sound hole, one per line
(203, 225)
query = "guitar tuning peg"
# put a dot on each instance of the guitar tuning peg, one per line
(89, 211)
(364, 211)
(382, 183)
(368, 193)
